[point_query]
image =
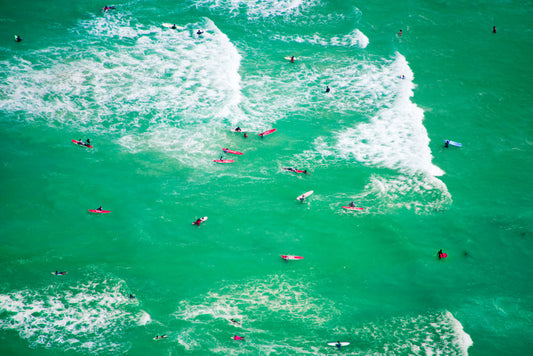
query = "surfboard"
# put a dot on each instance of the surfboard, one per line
(289, 58)
(304, 195)
(267, 132)
(289, 257)
(343, 343)
(224, 160)
(352, 208)
(453, 143)
(202, 220)
(96, 211)
(227, 150)
(294, 170)
(79, 143)
(172, 26)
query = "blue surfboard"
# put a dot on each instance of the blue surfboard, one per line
(453, 143)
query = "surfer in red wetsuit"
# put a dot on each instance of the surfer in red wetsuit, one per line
(493, 29)
(197, 222)
(292, 59)
(441, 254)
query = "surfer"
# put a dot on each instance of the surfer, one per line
(338, 345)
(18, 38)
(352, 204)
(197, 222)
(238, 129)
(108, 8)
(493, 29)
(292, 59)
(160, 337)
(60, 273)
(446, 143)
(132, 296)
(199, 32)
(327, 89)
(235, 321)
(261, 135)
(237, 337)
(302, 198)
(400, 33)
(100, 208)
(88, 142)
(441, 254)
(245, 135)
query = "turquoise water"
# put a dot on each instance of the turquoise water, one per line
(158, 105)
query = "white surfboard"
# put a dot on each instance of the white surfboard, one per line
(304, 195)
(172, 26)
(335, 344)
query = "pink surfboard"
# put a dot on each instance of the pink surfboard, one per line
(352, 208)
(96, 211)
(267, 132)
(295, 170)
(289, 257)
(224, 160)
(227, 150)
(81, 144)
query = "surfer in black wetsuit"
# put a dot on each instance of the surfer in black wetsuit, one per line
(238, 129)
(88, 142)
(18, 38)
(292, 59)
(327, 89)
(446, 143)
(100, 208)
(199, 32)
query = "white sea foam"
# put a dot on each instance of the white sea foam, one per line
(274, 298)
(90, 317)
(430, 334)
(259, 8)
(170, 90)
(354, 39)
(394, 138)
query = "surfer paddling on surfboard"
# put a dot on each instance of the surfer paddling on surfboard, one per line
(442, 254)
(58, 273)
(237, 337)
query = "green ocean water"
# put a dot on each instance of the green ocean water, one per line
(158, 105)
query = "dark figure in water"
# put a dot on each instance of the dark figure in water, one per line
(88, 142)
(292, 59)
(18, 38)
(327, 89)
(338, 345)
(108, 8)
(199, 32)
(441, 254)
(245, 135)
(446, 143)
(132, 296)
(493, 29)
(400, 33)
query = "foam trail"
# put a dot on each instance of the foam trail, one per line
(258, 8)
(354, 39)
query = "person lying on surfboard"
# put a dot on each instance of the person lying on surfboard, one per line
(108, 8)
(237, 337)
(99, 209)
(238, 129)
(60, 273)
(197, 222)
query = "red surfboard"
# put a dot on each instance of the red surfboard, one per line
(295, 170)
(352, 208)
(96, 211)
(79, 143)
(267, 132)
(223, 160)
(289, 257)
(227, 150)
